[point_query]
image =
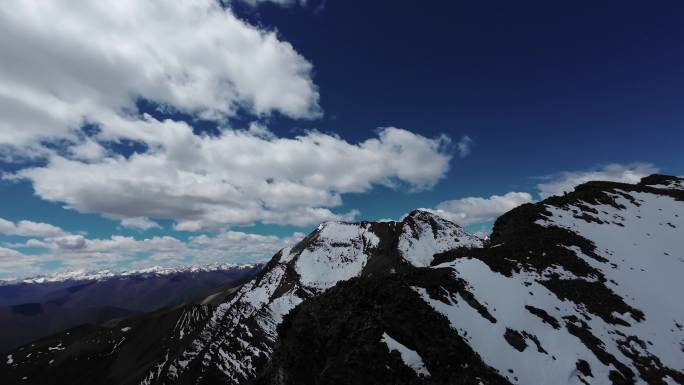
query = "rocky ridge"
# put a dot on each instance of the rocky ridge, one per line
(581, 289)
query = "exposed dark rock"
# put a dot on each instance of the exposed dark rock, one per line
(515, 339)
(114, 354)
(345, 287)
(541, 313)
(335, 338)
(584, 368)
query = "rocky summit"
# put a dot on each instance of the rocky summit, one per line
(582, 288)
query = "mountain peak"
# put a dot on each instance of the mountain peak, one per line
(420, 212)
(424, 214)
(95, 275)
(424, 234)
(573, 284)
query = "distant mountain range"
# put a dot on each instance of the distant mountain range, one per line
(579, 289)
(39, 306)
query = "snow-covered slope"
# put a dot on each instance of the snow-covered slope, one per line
(424, 234)
(239, 339)
(235, 343)
(579, 289)
(611, 305)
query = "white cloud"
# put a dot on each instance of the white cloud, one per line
(8, 254)
(29, 229)
(196, 57)
(471, 210)
(566, 181)
(88, 150)
(240, 177)
(463, 146)
(139, 223)
(239, 243)
(76, 252)
(70, 242)
(188, 55)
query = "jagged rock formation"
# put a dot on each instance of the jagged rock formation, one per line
(238, 340)
(579, 289)
(582, 288)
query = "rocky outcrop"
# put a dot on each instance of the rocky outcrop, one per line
(578, 289)
(581, 289)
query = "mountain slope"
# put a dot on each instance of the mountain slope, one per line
(576, 289)
(114, 353)
(238, 340)
(141, 288)
(55, 303)
(579, 289)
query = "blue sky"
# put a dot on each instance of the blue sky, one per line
(215, 134)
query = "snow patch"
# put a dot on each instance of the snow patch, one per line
(338, 254)
(283, 305)
(673, 185)
(410, 357)
(642, 244)
(424, 234)
(285, 255)
(59, 346)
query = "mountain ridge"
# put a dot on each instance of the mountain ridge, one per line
(552, 288)
(91, 275)
(34, 309)
(512, 236)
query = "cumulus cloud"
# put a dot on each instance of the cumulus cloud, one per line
(69, 242)
(29, 229)
(240, 243)
(139, 223)
(78, 252)
(463, 146)
(8, 254)
(195, 57)
(192, 56)
(474, 210)
(566, 181)
(471, 210)
(241, 176)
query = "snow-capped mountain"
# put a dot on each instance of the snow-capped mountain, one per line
(98, 275)
(40, 306)
(578, 289)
